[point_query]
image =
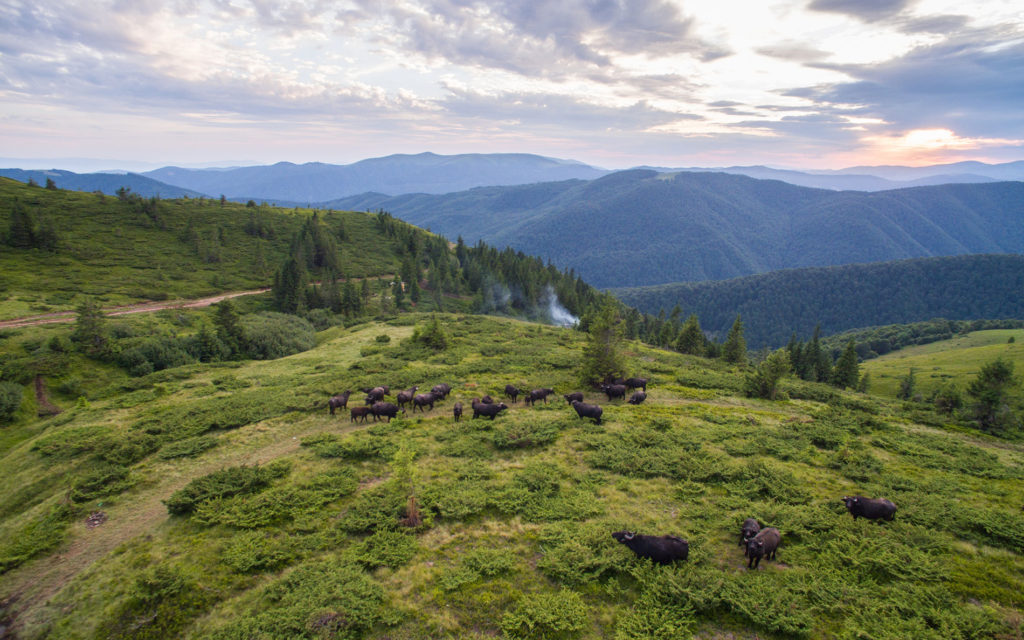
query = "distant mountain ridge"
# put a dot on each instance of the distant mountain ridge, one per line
(392, 175)
(107, 183)
(774, 305)
(634, 228)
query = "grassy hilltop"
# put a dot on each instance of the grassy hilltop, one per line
(290, 523)
(119, 251)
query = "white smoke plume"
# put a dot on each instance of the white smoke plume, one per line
(559, 315)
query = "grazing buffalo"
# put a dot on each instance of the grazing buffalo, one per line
(457, 411)
(487, 410)
(388, 409)
(661, 549)
(749, 529)
(584, 410)
(376, 394)
(487, 400)
(637, 397)
(424, 399)
(442, 390)
(405, 397)
(635, 383)
(512, 391)
(870, 508)
(538, 394)
(359, 412)
(576, 395)
(339, 401)
(614, 391)
(764, 544)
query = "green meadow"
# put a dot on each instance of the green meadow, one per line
(957, 360)
(234, 506)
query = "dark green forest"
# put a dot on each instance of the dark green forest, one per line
(775, 305)
(640, 227)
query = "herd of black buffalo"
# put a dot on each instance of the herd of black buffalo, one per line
(759, 542)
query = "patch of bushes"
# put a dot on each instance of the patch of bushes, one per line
(162, 603)
(385, 548)
(553, 616)
(37, 537)
(186, 420)
(324, 598)
(577, 554)
(11, 395)
(529, 433)
(255, 551)
(187, 448)
(358, 446)
(272, 335)
(277, 505)
(483, 562)
(223, 484)
(100, 478)
(65, 444)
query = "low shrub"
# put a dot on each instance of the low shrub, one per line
(553, 616)
(272, 335)
(101, 478)
(385, 548)
(187, 448)
(255, 551)
(222, 484)
(38, 536)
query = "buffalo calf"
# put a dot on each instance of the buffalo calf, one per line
(360, 413)
(637, 397)
(339, 401)
(750, 528)
(512, 391)
(457, 411)
(576, 395)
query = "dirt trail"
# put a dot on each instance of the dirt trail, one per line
(145, 307)
(142, 307)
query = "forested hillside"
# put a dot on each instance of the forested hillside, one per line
(635, 228)
(775, 305)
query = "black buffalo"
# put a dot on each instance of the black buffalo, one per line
(339, 401)
(405, 397)
(870, 508)
(749, 529)
(424, 399)
(487, 410)
(388, 409)
(442, 390)
(538, 394)
(457, 411)
(584, 410)
(614, 391)
(359, 412)
(487, 400)
(637, 397)
(764, 544)
(636, 383)
(512, 391)
(576, 395)
(376, 394)
(661, 549)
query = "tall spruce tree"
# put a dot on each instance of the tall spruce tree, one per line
(90, 333)
(691, 338)
(602, 357)
(846, 373)
(735, 348)
(289, 290)
(989, 394)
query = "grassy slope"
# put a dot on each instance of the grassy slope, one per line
(957, 360)
(119, 255)
(515, 530)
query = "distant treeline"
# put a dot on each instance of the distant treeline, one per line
(777, 304)
(872, 342)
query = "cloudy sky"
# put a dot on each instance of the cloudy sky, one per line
(615, 83)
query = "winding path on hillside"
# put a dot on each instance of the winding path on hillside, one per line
(142, 307)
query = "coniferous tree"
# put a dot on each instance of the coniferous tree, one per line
(735, 348)
(847, 371)
(602, 360)
(90, 333)
(229, 331)
(763, 382)
(989, 396)
(691, 338)
(21, 232)
(50, 184)
(289, 290)
(864, 384)
(907, 386)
